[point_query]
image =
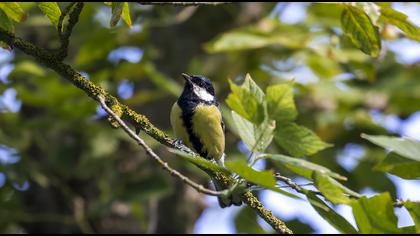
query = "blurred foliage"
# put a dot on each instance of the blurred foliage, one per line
(67, 171)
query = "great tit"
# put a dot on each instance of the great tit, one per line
(197, 122)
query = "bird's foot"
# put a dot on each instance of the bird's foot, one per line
(178, 142)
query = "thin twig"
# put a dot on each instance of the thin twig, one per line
(294, 185)
(152, 154)
(64, 34)
(138, 120)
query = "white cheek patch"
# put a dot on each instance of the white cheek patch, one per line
(203, 94)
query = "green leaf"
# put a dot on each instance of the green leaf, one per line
(13, 11)
(51, 10)
(375, 215)
(400, 166)
(5, 22)
(126, 14)
(330, 215)
(256, 137)
(203, 163)
(358, 27)
(280, 104)
(331, 189)
(264, 33)
(298, 140)
(245, 103)
(414, 210)
(250, 85)
(300, 166)
(117, 8)
(261, 178)
(405, 147)
(400, 20)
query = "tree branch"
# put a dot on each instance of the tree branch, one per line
(64, 34)
(184, 3)
(139, 121)
(155, 157)
(267, 215)
(294, 185)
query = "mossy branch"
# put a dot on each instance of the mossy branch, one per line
(73, 10)
(141, 122)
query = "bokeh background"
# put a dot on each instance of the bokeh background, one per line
(64, 169)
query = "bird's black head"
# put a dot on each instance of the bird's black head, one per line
(198, 87)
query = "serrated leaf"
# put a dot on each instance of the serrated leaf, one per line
(203, 163)
(330, 188)
(405, 147)
(414, 210)
(261, 178)
(117, 8)
(400, 20)
(126, 14)
(298, 140)
(309, 167)
(375, 214)
(51, 10)
(245, 103)
(250, 85)
(13, 11)
(256, 138)
(6, 23)
(330, 215)
(400, 166)
(280, 104)
(359, 28)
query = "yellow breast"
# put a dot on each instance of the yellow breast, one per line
(206, 126)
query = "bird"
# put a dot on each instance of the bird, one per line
(197, 122)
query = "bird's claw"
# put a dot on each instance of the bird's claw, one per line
(178, 142)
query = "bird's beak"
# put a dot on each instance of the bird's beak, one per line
(187, 78)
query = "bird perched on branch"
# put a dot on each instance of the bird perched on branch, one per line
(197, 122)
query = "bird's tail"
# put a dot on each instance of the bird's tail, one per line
(226, 201)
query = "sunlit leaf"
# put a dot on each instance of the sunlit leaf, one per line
(245, 103)
(298, 140)
(203, 163)
(51, 10)
(261, 178)
(255, 137)
(307, 167)
(280, 104)
(330, 189)
(405, 147)
(126, 14)
(359, 28)
(13, 11)
(375, 214)
(400, 20)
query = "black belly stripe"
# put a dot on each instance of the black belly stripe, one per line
(187, 114)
